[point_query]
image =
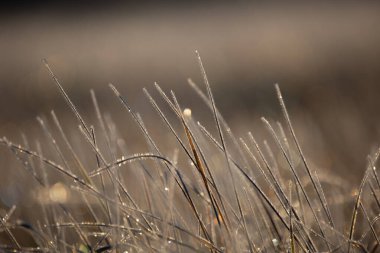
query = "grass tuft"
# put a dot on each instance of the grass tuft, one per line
(207, 193)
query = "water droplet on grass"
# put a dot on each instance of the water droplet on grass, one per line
(187, 112)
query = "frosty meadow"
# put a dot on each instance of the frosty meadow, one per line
(209, 192)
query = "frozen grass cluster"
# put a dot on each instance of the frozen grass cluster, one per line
(208, 193)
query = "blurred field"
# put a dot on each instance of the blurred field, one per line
(325, 57)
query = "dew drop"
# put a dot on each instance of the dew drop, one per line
(187, 112)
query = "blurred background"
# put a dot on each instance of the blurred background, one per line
(325, 55)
